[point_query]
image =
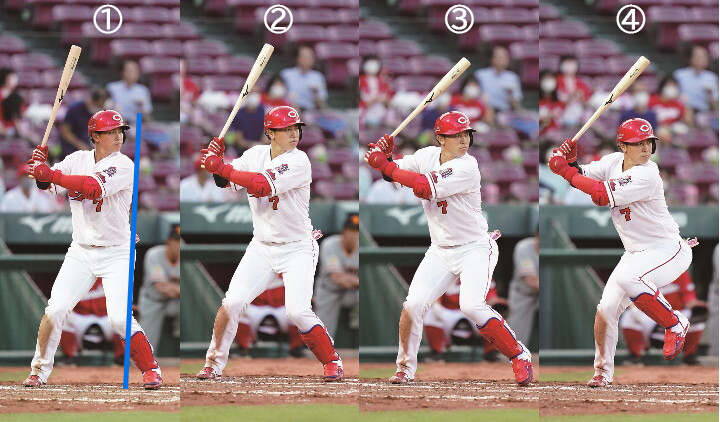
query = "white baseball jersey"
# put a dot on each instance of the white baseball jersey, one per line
(454, 213)
(282, 216)
(637, 202)
(104, 221)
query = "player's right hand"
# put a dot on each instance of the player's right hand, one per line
(569, 149)
(386, 145)
(40, 154)
(42, 172)
(217, 147)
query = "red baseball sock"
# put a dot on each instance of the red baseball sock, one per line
(141, 352)
(495, 332)
(318, 341)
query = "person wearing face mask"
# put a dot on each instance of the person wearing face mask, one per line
(667, 105)
(375, 92)
(570, 88)
(24, 198)
(11, 103)
(275, 93)
(550, 108)
(247, 125)
(640, 109)
(470, 102)
(73, 129)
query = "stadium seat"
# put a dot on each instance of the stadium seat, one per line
(351, 170)
(397, 66)
(683, 194)
(335, 56)
(315, 16)
(182, 31)
(167, 48)
(698, 33)
(670, 157)
(431, 65)
(204, 48)
(29, 80)
(375, 30)
(420, 84)
(51, 77)
(571, 30)
(531, 32)
(335, 190)
(42, 12)
(152, 15)
(368, 48)
(321, 171)
(227, 83)
(398, 48)
(344, 33)
(161, 71)
(11, 45)
(234, 65)
(203, 67)
(307, 35)
(482, 155)
(596, 48)
(548, 12)
(312, 135)
(245, 13)
(501, 34)
(667, 19)
(697, 172)
(338, 156)
(528, 55)
(515, 16)
(130, 49)
(71, 17)
(32, 61)
(557, 47)
(525, 191)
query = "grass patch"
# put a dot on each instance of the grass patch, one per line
(286, 413)
(576, 376)
(88, 417)
(18, 376)
(685, 417)
(479, 415)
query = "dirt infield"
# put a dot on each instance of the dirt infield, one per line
(87, 389)
(650, 389)
(267, 382)
(447, 386)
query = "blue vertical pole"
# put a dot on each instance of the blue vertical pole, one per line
(131, 269)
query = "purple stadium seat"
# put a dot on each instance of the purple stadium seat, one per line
(312, 135)
(667, 19)
(556, 47)
(530, 157)
(32, 61)
(130, 49)
(30, 79)
(152, 15)
(162, 168)
(227, 83)
(482, 155)
(375, 30)
(215, 7)
(353, 66)
(421, 84)
(161, 71)
(338, 156)
(71, 18)
(11, 45)
(398, 48)
(697, 172)
(307, 34)
(683, 194)
(548, 12)
(593, 66)
(202, 66)
(714, 191)
(368, 48)
(489, 3)
(697, 140)
(182, 31)
(344, 33)
(571, 30)
(516, 16)
(246, 13)
(51, 78)
(698, 33)
(671, 157)
(470, 41)
(525, 191)
(337, 4)
(528, 4)
(348, 16)
(505, 173)
(42, 12)
(528, 55)
(204, 48)
(339, 191)
(431, 65)
(499, 139)
(167, 48)
(234, 65)
(315, 16)
(713, 50)
(321, 171)
(704, 14)
(409, 7)
(549, 62)
(351, 169)
(501, 34)
(436, 13)
(596, 48)
(14, 151)
(335, 56)
(146, 183)
(531, 32)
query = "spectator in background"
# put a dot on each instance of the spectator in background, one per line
(699, 85)
(189, 92)
(550, 108)
(200, 187)
(338, 284)
(382, 192)
(74, 126)
(275, 93)
(524, 290)
(641, 102)
(571, 91)
(375, 92)
(25, 197)
(129, 96)
(499, 84)
(470, 101)
(160, 291)
(306, 86)
(668, 108)
(248, 123)
(431, 113)
(11, 102)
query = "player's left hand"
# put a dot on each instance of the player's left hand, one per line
(40, 154)
(386, 145)
(217, 147)
(569, 149)
(42, 172)
(557, 162)
(211, 162)
(376, 158)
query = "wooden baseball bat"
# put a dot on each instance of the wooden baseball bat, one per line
(253, 76)
(441, 86)
(70, 64)
(641, 64)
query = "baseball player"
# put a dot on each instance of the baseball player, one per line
(655, 255)
(640, 332)
(448, 180)
(99, 184)
(277, 179)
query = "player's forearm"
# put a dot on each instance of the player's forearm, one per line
(87, 185)
(255, 183)
(416, 181)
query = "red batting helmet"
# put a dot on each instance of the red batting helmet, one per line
(105, 120)
(453, 122)
(636, 130)
(282, 117)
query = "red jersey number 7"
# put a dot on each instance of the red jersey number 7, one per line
(274, 201)
(443, 205)
(626, 211)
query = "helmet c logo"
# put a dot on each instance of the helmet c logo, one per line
(645, 128)
(462, 120)
(117, 117)
(293, 114)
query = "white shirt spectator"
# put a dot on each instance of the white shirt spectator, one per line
(192, 191)
(39, 201)
(304, 87)
(130, 99)
(696, 87)
(383, 192)
(499, 88)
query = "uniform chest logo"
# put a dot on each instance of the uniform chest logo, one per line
(621, 181)
(446, 173)
(110, 171)
(282, 168)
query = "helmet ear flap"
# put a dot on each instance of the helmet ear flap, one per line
(300, 129)
(471, 138)
(124, 137)
(654, 147)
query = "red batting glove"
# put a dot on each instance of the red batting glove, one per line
(40, 154)
(376, 159)
(569, 149)
(559, 165)
(212, 162)
(386, 145)
(217, 147)
(42, 172)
